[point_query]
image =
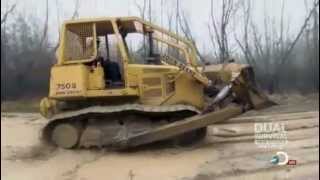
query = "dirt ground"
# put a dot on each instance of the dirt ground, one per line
(228, 152)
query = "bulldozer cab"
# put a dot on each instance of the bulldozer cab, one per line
(85, 42)
(96, 45)
(122, 57)
(101, 53)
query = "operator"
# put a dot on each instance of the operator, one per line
(98, 59)
(111, 71)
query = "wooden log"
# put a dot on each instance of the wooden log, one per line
(243, 129)
(250, 148)
(291, 135)
(276, 117)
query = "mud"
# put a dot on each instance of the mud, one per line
(219, 156)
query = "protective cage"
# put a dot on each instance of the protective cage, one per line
(79, 41)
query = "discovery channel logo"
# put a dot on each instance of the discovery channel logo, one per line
(281, 158)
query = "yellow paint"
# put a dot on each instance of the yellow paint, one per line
(69, 81)
(151, 84)
(96, 78)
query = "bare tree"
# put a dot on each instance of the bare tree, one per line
(150, 11)
(58, 20)
(58, 13)
(218, 30)
(187, 32)
(4, 32)
(270, 52)
(170, 21)
(7, 13)
(315, 62)
(44, 37)
(142, 11)
(161, 12)
(245, 47)
(284, 58)
(311, 52)
(286, 49)
(76, 9)
(177, 16)
(141, 8)
(75, 15)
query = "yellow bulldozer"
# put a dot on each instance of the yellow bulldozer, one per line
(110, 87)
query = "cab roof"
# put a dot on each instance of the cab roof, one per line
(101, 19)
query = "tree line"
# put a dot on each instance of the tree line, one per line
(282, 61)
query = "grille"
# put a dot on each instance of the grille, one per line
(153, 93)
(152, 81)
(170, 88)
(79, 41)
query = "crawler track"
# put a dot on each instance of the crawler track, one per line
(109, 125)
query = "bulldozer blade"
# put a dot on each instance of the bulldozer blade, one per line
(258, 99)
(173, 129)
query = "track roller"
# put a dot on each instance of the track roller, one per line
(66, 135)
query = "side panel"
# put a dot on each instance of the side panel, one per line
(68, 81)
(96, 78)
(78, 81)
(153, 84)
(150, 81)
(187, 91)
(165, 85)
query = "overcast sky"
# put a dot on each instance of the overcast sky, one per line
(198, 12)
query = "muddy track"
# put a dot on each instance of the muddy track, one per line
(119, 127)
